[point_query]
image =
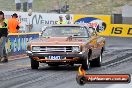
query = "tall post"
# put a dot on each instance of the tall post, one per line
(18, 5)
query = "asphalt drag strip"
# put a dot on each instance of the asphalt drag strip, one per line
(117, 59)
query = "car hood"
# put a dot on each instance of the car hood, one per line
(58, 41)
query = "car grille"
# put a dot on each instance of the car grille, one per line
(56, 48)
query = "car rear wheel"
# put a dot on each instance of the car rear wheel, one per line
(97, 62)
(85, 63)
(34, 64)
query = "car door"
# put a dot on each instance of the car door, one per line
(100, 44)
(93, 42)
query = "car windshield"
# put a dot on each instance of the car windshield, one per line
(64, 31)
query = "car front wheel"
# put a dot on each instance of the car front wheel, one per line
(85, 63)
(97, 61)
(34, 64)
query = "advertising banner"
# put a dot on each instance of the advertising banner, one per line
(102, 23)
(38, 19)
(17, 43)
(99, 22)
(120, 30)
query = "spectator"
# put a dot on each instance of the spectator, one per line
(61, 21)
(29, 24)
(68, 19)
(13, 24)
(3, 37)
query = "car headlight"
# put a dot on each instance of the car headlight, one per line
(75, 49)
(35, 48)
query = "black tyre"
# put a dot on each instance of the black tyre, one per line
(85, 63)
(97, 62)
(34, 64)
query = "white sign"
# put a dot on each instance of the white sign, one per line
(38, 19)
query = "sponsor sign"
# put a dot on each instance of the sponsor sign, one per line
(100, 22)
(121, 30)
(103, 25)
(38, 19)
(17, 43)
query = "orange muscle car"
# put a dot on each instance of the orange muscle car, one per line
(67, 44)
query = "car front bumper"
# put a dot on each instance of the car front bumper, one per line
(38, 54)
(70, 57)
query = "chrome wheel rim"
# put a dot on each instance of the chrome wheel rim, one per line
(88, 64)
(100, 58)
